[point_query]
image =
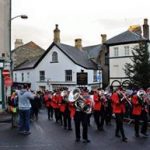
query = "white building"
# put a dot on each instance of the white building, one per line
(59, 65)
(120, 51)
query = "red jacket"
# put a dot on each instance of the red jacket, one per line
(137, 108)
(47, 100)
(118, 107)
(56, 101)
(97, 103)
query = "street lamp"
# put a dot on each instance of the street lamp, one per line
(10, 53)
(20, 16)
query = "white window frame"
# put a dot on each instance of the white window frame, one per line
(116, 51)
(126, 51)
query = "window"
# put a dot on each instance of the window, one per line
(42, 75)
(126, 50)
(68, 75)
(54, 57)
(16, 77)
(95, 76)
(28, 76)
(116, 51)
(22, 77)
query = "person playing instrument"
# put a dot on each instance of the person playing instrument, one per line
(81, 117)
(64, 109)
(118, 105)
(140, 111)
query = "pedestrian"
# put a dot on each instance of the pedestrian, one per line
(24, 106)
(13, 108)
(36, 105)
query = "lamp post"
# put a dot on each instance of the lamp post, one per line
(10, 53)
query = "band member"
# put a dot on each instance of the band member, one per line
(96, 108)
(56, 101)
(48, 104)
(140, 111)
(64, 108)
(81, 116)
(119, 110)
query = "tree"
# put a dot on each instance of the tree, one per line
(139, 71)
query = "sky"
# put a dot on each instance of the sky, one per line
(85, 19)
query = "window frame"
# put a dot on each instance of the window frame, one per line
(68, 77)
(54, 57)
(116, 51)
(42, 76)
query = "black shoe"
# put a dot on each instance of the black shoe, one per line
(70, 129)
(145, 134)
(101, 129)
(86, 141)
(137, 135)
(124, 139)
(117, 135)
(27, 132)
(77, 140)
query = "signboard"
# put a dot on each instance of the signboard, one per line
(6, 72)
(82, 78)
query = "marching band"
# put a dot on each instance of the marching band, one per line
(80, 104)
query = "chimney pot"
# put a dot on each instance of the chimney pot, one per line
(104, 38)
(18, 43)
(146, 29)
(78, 43)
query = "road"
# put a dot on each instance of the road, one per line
(47, 135)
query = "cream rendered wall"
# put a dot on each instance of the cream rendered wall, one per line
(117, 63)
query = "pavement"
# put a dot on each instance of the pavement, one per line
(5, 117)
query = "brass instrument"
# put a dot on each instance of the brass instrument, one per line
(125, 97)
(79, 101)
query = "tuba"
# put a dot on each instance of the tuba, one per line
(79, 101)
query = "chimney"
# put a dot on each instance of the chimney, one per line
(18, 43)
(78, 43)
(56, 34)
(104, 38)
(146, 29)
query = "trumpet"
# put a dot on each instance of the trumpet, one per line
(125, 98)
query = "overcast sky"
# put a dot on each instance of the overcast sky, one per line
(86, 19)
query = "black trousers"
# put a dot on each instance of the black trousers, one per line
(119, 125)
(81, 118)
(97, 118)
(67, 119)
(50, 112)
(144, 118)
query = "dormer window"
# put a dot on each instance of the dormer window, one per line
(54, 57)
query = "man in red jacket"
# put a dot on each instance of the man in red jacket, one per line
(118, 105)
(140, 111)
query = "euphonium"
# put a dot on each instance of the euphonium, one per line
(79, 102)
